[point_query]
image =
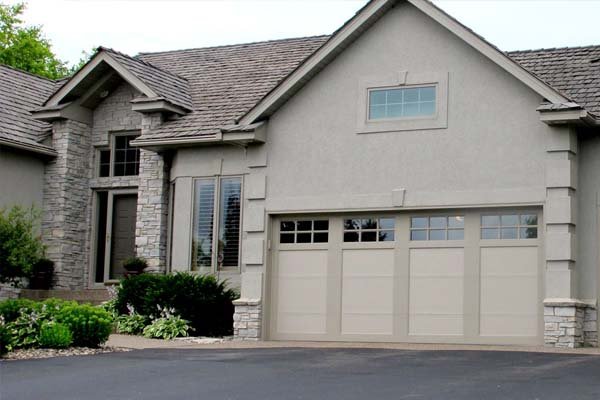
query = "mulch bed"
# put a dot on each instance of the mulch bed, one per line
(29, 354)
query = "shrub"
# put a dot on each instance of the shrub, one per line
(199, 299)
(167, 326)
(54, 335)
(25, 329)
(89, 325)
(11, 309)
(131, 324)
(5, 338)
(20, 246)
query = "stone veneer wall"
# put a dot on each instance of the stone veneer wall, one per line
(153, 204)
(65, 220)
(247, 320)
(570, 324)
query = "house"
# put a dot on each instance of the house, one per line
(401, 180)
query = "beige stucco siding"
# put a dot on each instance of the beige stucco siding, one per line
(21, 179)
(588, 238)
(491, 153)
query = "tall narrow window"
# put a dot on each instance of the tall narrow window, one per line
(229, 222)
(204, 213)
(217, 204)
(127, 157)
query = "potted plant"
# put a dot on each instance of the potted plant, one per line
(42, 272)
(134, 266)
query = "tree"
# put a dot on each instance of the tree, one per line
(25, 47)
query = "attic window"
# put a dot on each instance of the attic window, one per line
(407, 102)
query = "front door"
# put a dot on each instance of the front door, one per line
(123, 232)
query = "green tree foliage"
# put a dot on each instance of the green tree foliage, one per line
(26, 48)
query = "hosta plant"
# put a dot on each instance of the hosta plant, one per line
(167, 325)
(131, 323)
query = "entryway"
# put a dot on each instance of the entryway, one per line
(114, 232)
(457, 276)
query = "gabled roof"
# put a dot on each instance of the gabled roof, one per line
(226, 81)
(21, 92)
(572, 70)
(150, 80)
(366, 17)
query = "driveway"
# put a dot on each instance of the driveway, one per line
(292, 373)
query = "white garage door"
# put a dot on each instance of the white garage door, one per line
(455, 277)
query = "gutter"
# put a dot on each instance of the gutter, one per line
(28, 147)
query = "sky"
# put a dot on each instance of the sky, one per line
(134, 26)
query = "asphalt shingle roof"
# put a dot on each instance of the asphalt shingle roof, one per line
(227, 81)
(22, 92)
(574, 71)
(164, 82)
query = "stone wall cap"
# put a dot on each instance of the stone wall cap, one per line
(246, 302)
(566, 302)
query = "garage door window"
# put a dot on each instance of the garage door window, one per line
(509, 226)
(369, 230)
(304, 231)
(437, 228)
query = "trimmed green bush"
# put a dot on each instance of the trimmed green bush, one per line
(199, 299)
(11, 309)
(5, 339)
(54, 335)
(89, 325)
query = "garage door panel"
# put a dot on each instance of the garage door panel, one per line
(436, 291)
(367, 291)
(302, 292)
(509, 291)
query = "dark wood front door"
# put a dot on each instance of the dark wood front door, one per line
(123, 233)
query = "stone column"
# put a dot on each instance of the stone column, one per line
(153, 203)
(65, 210)
(563, 313)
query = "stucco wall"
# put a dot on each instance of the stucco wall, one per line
(588, 237)
(491, 153)
(21, 178)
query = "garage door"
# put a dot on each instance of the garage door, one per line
(457, 277)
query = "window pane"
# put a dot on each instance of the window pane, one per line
(119, 169)
(489, 233)
(104, 170)
(490, 220)
(456, 222)
(529, 233)
(130, 169)
(369, 223)
(410, 110)
(418, 235)
(386, 223)
(350, 236)
(529, 219)
(456, 234)
(386, 236)
(411, 95)
(377, 112)
(377, 97)
(351, 224)
(427, 93)
(321, 225)
(509, 233)
(509, 220)
(321, 237)
(229, 222)
(120, 156)
(104, 156)
(419, 222)
(304, 225)
(303, 238)
(204, 198)
(394, 111)
(437, 222)
(437, 234)
(287, 226)
(427, 108)
(368, 236)
(286, 238)
(394, 96)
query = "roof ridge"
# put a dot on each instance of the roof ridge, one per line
(29, 73)
(141, 61)
(554, 49)
(233, 45)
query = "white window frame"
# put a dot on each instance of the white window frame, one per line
(400, 80)
(377, 230)
(499, 227)
(312, 231)
(428, 229)
(217, 210)
(112, 148)
(374, 89)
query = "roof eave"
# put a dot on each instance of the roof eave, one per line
(158, 104)
(573, 116)
(41, 150)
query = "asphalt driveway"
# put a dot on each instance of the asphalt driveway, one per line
(292, 373)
